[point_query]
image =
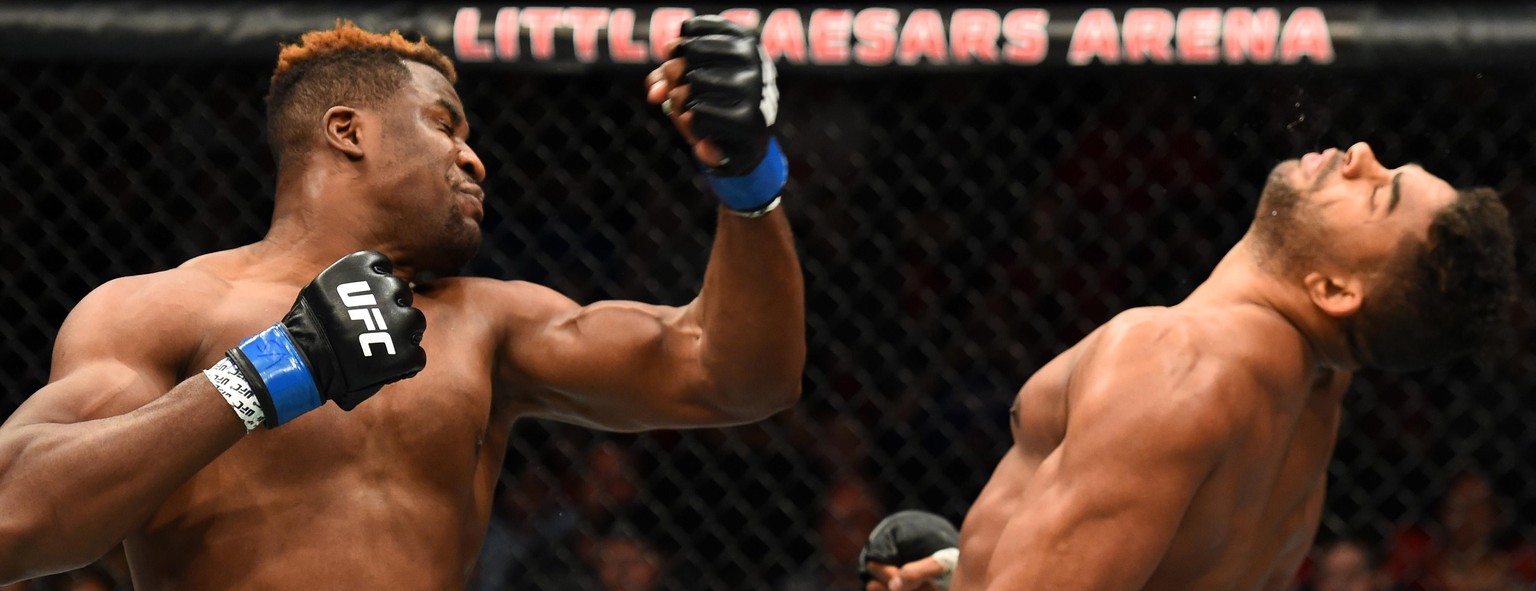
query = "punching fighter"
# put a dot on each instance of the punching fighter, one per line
(1186, 448)
(329, 407)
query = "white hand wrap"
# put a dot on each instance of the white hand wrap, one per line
(228, 380)
(946, 558)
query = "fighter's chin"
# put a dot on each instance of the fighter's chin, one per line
(1285, 173)
(448, 257)
(1284, 178)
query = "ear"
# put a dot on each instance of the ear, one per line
(343, 131)
(1336, 295)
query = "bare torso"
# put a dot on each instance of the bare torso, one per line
(1251, 520)
(394, 494)
(128, 444)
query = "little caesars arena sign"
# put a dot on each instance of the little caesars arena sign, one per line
(888, 37)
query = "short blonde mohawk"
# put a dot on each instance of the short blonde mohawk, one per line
(349, 37)
(342, 66)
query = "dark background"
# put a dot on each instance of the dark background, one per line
(957, 231)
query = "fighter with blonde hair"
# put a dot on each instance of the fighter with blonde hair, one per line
(211, 454)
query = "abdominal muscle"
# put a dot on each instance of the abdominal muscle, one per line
(349, 530)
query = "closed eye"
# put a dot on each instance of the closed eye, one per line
(1397, 192)
(455, 118)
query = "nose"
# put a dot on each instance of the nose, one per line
(471, 164)
(1360, 161)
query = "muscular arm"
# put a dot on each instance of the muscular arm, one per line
(733, 355)
(1145, 429)
(750, 316)
(90, 456)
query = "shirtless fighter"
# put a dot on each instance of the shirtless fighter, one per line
(1185, 448)
(212, 454)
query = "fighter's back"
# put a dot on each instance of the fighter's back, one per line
(374, 498)
(1237, 379)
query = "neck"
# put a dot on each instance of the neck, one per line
(319, 218)
(1241, 278)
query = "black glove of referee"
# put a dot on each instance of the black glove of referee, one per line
(910, 536)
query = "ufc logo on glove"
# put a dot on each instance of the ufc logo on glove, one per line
(292, 368)
(359, 308)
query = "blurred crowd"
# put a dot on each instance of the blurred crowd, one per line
(586, 528)
(956, 234)
(580, 540)
(1469, 544)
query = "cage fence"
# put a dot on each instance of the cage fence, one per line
(957, 230)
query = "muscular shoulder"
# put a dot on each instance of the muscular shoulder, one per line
(155, 315)
(1164, 366)
(1225, 348)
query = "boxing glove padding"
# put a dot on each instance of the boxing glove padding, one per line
(907, 536)
(351, 331)
(733, 95)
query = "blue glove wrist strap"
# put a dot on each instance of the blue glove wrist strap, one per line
(281, 367)
(756, 189)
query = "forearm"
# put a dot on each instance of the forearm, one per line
(69, 492)
(751, 313)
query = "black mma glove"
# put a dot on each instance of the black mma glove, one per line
(351, 331)
(909, 536)
(734, 96)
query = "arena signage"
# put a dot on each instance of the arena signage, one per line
(910, 37)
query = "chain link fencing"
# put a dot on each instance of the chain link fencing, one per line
(957, 231)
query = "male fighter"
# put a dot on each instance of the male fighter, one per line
(1185, 448)
(211, 453)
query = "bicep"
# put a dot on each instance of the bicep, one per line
(1096, 515)
(95, 390)
(614, 365)
(106, 364)
(1144, 432)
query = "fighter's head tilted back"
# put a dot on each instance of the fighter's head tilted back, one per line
(1414, 271)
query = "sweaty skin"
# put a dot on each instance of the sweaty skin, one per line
(1200, 438)
(129, 442)
(1186, 448)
